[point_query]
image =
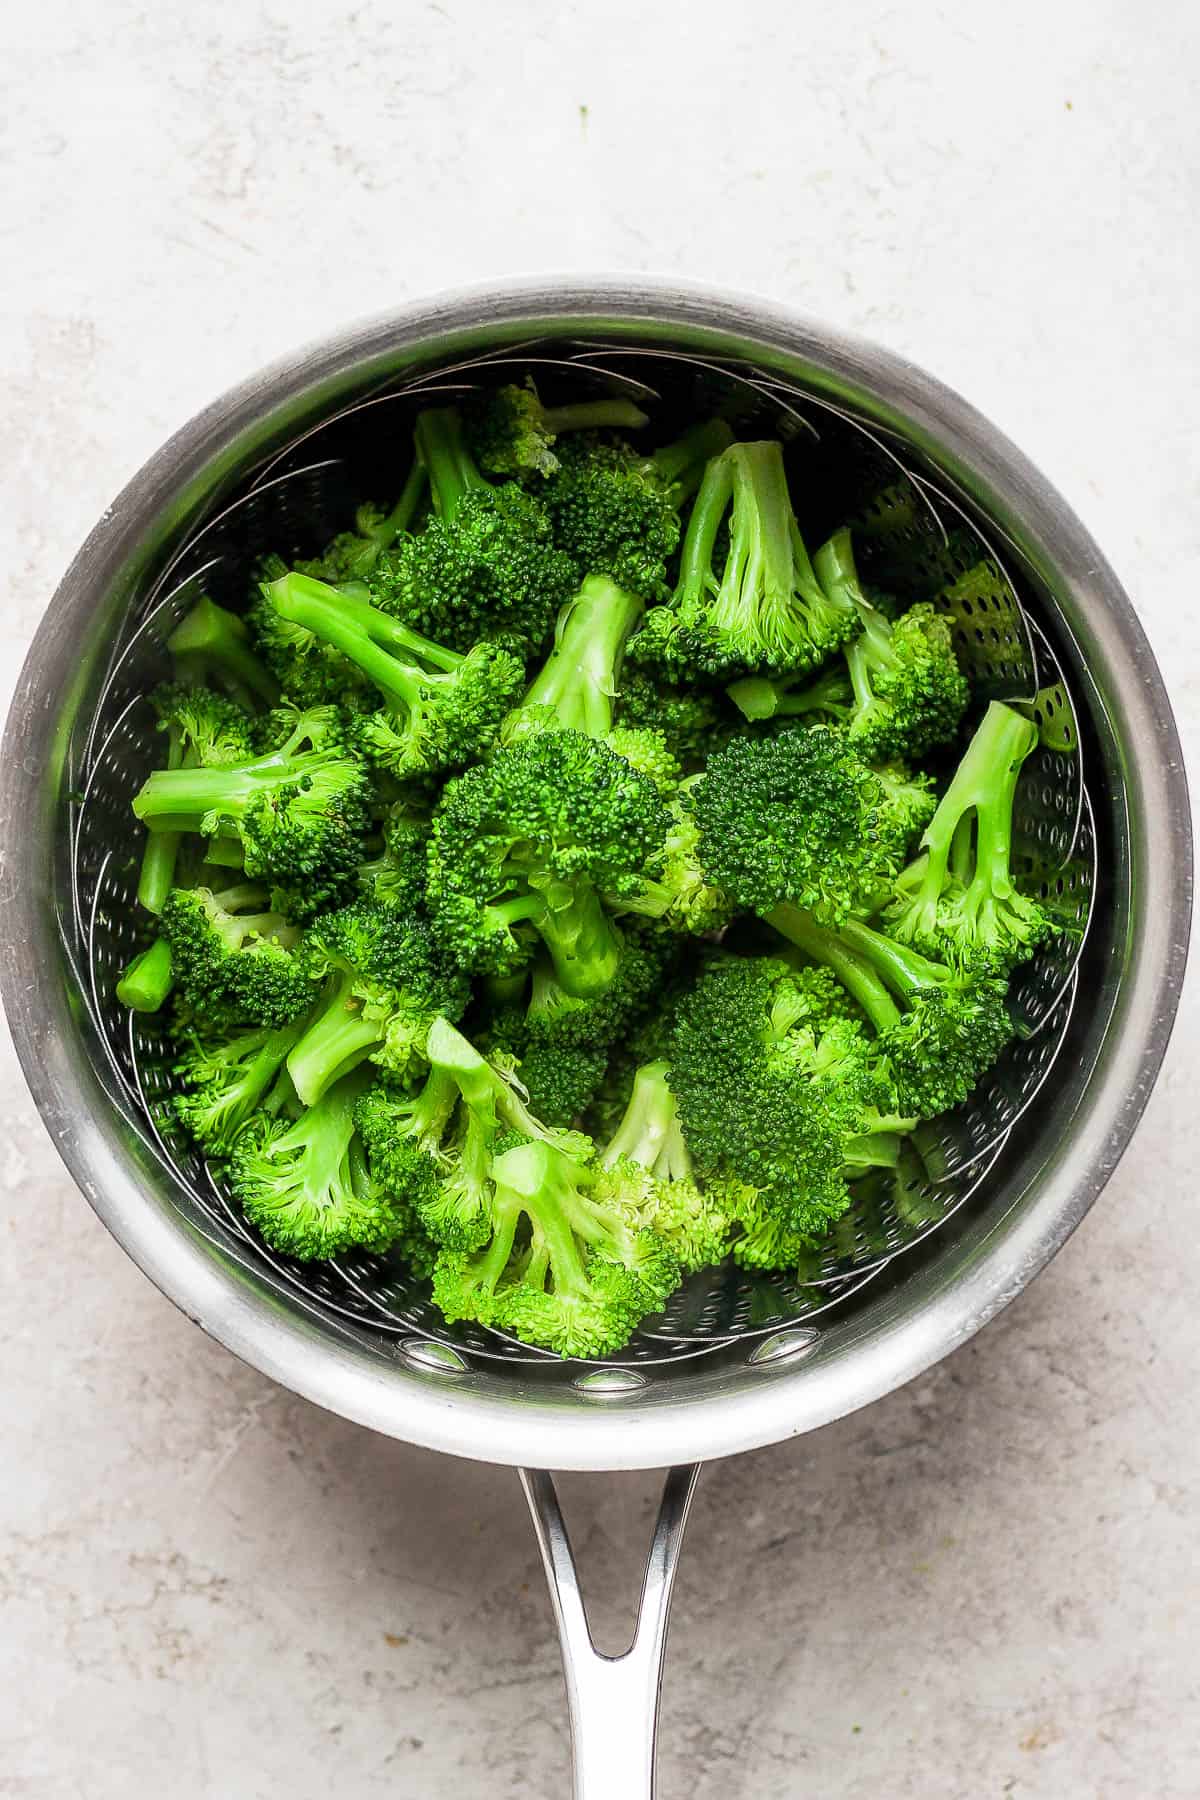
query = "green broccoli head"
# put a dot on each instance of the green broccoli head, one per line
(232, 956)
(522, 848)
(561, 1268)
(226, 1080)
(796, 817)
(397, 876)
(510, 432)
(959, 901)
(384, 985)
(211, 729)
(689, 719)
(747, 598)
(304, 1184)
(678, 893)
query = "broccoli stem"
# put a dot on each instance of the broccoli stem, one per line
(336, 1041)
(180, 799)
(872, 649)
(768, 697)
(583, 942)
(593, 415)
(985, 785)
(700, 539)
(211, 636)
(857, 975)
(579, 678)
(534, 1180)
(649, 1132)
(402, 514)
(681, 465)
(452, 470)
(147, 982)
(222, 852)
(157, 875)
(360, 631)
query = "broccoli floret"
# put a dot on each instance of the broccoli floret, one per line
(485, 566)
(299, 812)
(442, 709)
(523, 847)
(148, 980)
(562, 1267)
(231, 955)
(958, 901)
(200, 727)
(512, 433)
(776, 1087)
(748, 601)
(938, 1030)
(384, 984)
(310, 672)
(227, 1080)
(352, 555)
(677, 891)
(305, 1184)
(576, 686)
(689, 719)
(212, 644)
(397, 876)
(901, 691)
(648, 1174)
(561, 1080)
(797, 817)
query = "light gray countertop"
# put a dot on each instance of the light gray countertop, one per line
(983, 1586)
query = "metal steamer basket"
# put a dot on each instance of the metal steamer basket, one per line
(944, 506)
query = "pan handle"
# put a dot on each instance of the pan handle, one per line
(612, 1700)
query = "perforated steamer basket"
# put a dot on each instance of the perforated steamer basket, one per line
(946, 504)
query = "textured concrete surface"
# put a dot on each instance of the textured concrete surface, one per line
(981, 1587)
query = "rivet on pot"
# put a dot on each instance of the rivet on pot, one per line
(430, 1357)
(609, 1384)
(784, 1346)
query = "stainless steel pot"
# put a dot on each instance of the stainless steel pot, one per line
(753, 1391)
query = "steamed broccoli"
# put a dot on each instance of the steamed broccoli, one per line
(937, 1029)
(524, 846)
(384, 984)
(299, 811)
(442, 709)
(902, 691)
(485, 566)
(305, 1184)
(227, 1081)
(397, 875)
(231, 955)
(512, 433)
(958, 901)
(689, 719)
(748, 601)
(649, 1175)
(800, 817)
(615, 511)
(211, 644)
(148, 979)
(562, 1266)
(201, 728)
(352, 555)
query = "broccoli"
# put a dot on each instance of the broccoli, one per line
(384, 984)
(231, 955)
(352, 555)
(615, 511)
(148, 979)
(211, 644)
(958, 901)
(677, 891)
(226, 1081)
(201, 728)
(750, 602)
(442, 709)
(902, 691)
(648, 1174)
(512, 433)
(310, 672)
(799, 817)
(304, 1184)
(937, 1029)
(299, 811)
(485, 566)
(396, 876)
(560, 1080)
(562, 1267)
(688, 719)
(523, 847)
(777, 1089)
